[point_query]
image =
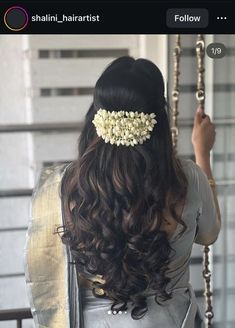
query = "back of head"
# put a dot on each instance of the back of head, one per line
(130, 84)
(120, 191)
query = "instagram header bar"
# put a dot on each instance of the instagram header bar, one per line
(116, 17)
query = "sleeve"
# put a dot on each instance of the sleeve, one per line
(208, 225)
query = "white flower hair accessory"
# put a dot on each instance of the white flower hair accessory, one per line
(123, 128)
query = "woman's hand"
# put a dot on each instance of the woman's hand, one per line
(203, 134)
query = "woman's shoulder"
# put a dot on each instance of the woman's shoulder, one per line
(187, 162)
(189, 165)
(193, 172)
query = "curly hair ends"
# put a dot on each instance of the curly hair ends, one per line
(120, 193)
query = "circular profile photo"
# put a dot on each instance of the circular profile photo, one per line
(16, 18)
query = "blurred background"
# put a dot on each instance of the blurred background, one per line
(45, 91)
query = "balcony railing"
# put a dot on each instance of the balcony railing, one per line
(16, 315)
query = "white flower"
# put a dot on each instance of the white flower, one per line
(122, 127)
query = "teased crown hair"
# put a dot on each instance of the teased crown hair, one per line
(117, 129)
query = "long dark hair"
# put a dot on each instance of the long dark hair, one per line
(120, 192)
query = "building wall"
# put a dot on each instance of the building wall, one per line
(14, 173)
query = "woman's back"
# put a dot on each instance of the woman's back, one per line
(199, 216)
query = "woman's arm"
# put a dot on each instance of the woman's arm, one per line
(203, 138)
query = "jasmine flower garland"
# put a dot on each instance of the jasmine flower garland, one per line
(123, 128)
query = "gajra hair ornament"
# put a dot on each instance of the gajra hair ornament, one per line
(124, 128)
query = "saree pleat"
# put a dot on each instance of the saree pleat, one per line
(51, 281)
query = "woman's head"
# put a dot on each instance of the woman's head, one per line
(131, 85)
(134, 85)
(121, 192)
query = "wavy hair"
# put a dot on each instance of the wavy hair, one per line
(120, 192)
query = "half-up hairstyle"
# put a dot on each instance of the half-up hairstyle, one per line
(120, 192)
